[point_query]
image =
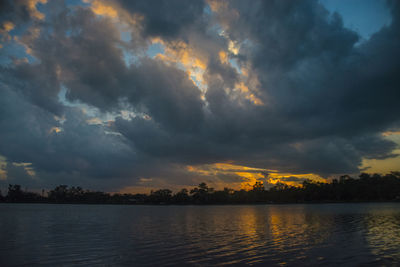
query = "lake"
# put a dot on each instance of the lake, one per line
(312, 234)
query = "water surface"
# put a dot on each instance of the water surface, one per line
(317, 234)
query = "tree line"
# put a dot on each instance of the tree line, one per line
(365, 188)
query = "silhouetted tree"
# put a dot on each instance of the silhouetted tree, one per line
(182, 196)
(161, 196)
(202, 193)
(367, 187)
(58, 194)
(15, 193)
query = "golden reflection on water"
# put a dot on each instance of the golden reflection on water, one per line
(258, 232)
(270, 235)
(274, 234)
(295, 231)
(383, 234)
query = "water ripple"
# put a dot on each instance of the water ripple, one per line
(331, 234)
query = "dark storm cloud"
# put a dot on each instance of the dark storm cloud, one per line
(39, 83)
(318, 84)
(14, 11)
(167, 95)
(23, 126)
(165, 18)
(91, 65)
(84, 50)
(28, 135)
(69, 55)
(326, 98)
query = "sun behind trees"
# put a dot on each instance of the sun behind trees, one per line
(365, 188)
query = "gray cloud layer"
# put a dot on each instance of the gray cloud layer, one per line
(327, 100)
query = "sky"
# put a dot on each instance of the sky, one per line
(129, 96)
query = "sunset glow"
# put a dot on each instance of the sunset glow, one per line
(138, 95)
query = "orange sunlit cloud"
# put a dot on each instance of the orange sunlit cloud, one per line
(389, 133)
(223, 57)
(195, 64)
(243, 89)
(8, 26)
(123, 19)
(249, 175)
(179, 52)
(55, 130)
(99, 8)
(31, 6)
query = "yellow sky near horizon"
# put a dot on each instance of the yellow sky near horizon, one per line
(385, 165)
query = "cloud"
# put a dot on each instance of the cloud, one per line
(276, 85)
(165, 18)
(77, 151)
(21, 10)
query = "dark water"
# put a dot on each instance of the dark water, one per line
(321, 234)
